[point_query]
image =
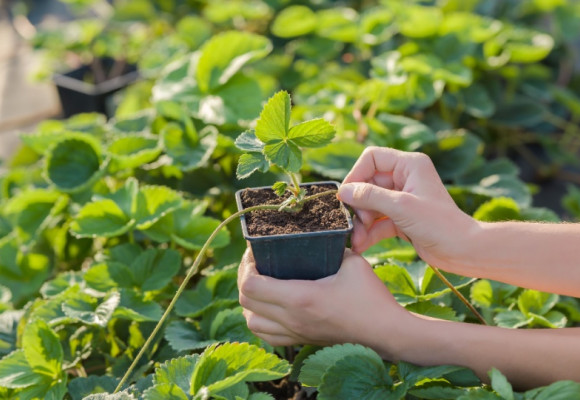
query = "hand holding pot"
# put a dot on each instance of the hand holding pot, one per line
(351, 306)
(396, 193)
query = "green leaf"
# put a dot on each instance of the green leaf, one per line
(412, 374)
(248, 163)
(135, 308)
(399, 282)
(42, 349)
(539, 303)
(498, 209)
(8, 330)
(15, 372)
(225, 54)
(46, 389)
(133, 151)
(500, 384)
(274, 121)
(81, 387)
(247, 141)
(74, 164)
(165, 391)
(418, 21)
(293, 21)
(437, 391)
(528, 46)
(562, 390)
(62, 282)
(106, 396)
(222, 367)
(103, 218)
(433, 310)
(454, 152)
(338, 23)
(284, 154)
(230, 325)
(355, 377)
(512, 319)
(335, 160)
(313, 133)
(109, 275)
(177, 371)
(154, 269)
(186, 153)
(89, 310)
(153, 202)
(183, 336)
(280, 188)
(316, 366)
(520, 111)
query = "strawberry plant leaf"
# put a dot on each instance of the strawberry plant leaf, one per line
(221, 367)
(165, 391)
(247, 141)
(357, 377)
(536, 302)
(433, 310)
(109, 275)
(186, 153)
(42, 349)
(225, 54)
(154, 269)
(295, 20)
(399, 282)
(251, 162)
(106, 396)
(133, 151)
(46, 389)
(183, 336)
(335, 160)
(512, 319)
(89, 310)
(230, 325)
(437, 391)
(177, 371)
(419, 21)
(432, 286)
(500, 384)
(8, 330)
(561, 390)
(16, 372)
(101, 218)
(81, 387)
(153, 202)
(279, 188)
(74, 164)
(313, 133)
(284, 154)
(339, 23)
(62, 282)
(316, 366)
(274, 122)
(133, 307)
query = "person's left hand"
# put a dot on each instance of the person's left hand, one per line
(352, 306)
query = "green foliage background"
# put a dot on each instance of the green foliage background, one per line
(100, 220)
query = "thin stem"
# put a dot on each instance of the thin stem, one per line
(458, 294)
(192, 271)
(295, 183)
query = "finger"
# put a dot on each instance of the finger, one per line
(278, 340)
(268, 310)
(366, 217)
(381, 229)
(373, 160)
(259, 324)
(365, 196)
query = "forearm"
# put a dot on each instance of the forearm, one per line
(528, 357)
(532, 255)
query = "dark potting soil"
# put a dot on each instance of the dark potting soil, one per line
(321, 214)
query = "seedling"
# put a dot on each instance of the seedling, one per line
(275, 143)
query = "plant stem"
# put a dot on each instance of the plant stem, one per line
(295, 183)
(459, 295)
(192, 271)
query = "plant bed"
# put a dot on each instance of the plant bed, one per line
(308, 244)
(80, 90)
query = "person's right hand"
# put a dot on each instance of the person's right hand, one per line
(396, 193)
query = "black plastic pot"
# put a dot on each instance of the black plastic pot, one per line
(308, 255)
(77, 96)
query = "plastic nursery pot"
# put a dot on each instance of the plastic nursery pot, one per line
(308, 255)
(78, 96)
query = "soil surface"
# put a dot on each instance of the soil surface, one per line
(321, 214)
(284, 389)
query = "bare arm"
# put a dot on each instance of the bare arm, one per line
(354, 306)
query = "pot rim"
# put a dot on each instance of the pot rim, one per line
(250, 238)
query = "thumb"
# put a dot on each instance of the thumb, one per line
(366, 196)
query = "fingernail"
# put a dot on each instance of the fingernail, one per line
(345, 192)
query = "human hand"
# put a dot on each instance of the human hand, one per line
(352, 306)
(396, 193)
